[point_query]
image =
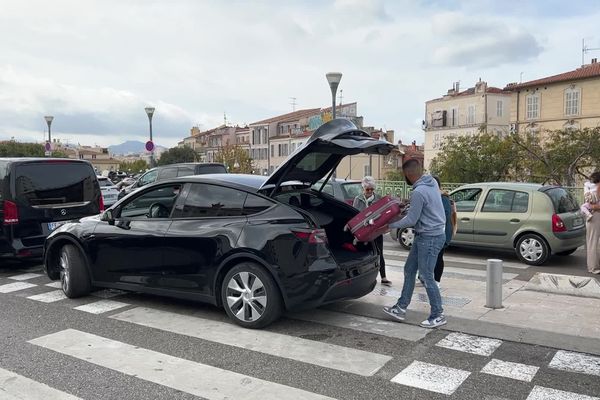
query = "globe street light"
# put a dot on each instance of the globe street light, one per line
(49, 119)
(334, 79)
(150, 113)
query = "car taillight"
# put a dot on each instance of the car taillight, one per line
(557, 224)
(312, 236)
(101, 204)
(11, 213)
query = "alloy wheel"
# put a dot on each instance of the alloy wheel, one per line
(531, 249)
(64, 272)
(246, 296)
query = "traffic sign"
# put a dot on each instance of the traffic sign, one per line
(149, 145)
(48, 146)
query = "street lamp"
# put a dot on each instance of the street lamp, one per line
(334, 79)
(49, 119)
(150, 113)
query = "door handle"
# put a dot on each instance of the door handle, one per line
(465, 219)
(515, 220)
(88, 236)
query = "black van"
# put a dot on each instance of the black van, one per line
(39, 194)
(173, 171)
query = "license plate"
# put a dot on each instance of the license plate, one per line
(53, 225)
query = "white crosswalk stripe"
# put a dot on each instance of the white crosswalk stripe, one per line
(431, 377)
(576, 362)
(482, 346)
(56, 285)
(187, 376)
(544, 393)
(455, 270)
(309, 351)
(17, 387)
(102, 306)
(14, 287)
(520, 372)
(24, 277)
(49, 297)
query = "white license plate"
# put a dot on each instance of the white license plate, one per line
(53, 225)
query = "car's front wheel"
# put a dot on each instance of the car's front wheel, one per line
(532, 249)
(406, 238)
(250, 296)
(74, 278)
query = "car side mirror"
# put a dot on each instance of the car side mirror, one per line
(108, 217)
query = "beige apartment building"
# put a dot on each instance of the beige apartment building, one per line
(570, 100)
(467, 112)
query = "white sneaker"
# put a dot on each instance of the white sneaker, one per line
(434, 323)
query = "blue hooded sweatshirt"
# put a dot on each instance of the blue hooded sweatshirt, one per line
(426, 212)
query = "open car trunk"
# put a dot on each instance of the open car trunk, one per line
(332, 216)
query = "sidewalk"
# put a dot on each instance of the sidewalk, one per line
(531, 314)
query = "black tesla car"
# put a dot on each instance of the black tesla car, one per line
(253, 245)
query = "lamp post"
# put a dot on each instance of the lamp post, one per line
(333, 78)
(49, 119)
(150, 113)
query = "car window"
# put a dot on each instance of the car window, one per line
(255, 204)
(210, 169)
(167, 173)
(352, 189)
(328, 189)
(155, 203)
(312, 161)
(185, 171)
(148, 178)
(562, 200)
(502, 200)
(466, 199)
(206, 200)
(104, 182)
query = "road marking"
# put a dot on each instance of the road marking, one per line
(24, 277)
(576, 362)
(544, 393)
(363, 324)
(101, 306)
(481, 346)
(17, 387)
(13, 287)
(455, 270)
(49, 297)
(460, 260)
(55, 285)
(198, 379)
(431, 377)
(520, 372)
(309, 351)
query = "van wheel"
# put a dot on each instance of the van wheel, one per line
(250, 296)
(406, 237)
(532, 249)
(566, 252)
(74, 278)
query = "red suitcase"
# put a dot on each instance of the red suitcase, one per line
(373, 221)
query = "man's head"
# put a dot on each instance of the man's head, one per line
(412, 171)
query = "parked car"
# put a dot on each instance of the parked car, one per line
(110, 192)
(342, 189)
(254, 245)
(172, 171)
(533, 220)
(39, 194)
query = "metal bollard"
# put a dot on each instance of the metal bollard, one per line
(494, 284)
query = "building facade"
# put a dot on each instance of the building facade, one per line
(458, 113)
(570, 100)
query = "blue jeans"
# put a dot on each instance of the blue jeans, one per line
(423, 257)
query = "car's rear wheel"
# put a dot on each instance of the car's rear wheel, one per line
(406, 237)
(532, 249)
(250, 296)
(74, 278)
(566, 252)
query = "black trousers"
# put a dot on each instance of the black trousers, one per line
(379, 244)
(439, 266)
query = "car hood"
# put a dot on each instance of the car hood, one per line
(323, 152)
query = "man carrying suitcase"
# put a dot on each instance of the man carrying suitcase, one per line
(426, 215)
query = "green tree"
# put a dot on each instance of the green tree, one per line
(394, 175)
(178, 155)
(59, 154)
(479, 158)
(15, 149)
(133, 166)
(235, 158)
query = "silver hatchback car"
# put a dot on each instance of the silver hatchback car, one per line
(533, 220)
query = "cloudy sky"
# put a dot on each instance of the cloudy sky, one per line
(95, 65)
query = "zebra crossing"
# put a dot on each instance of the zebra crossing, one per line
(452, 366)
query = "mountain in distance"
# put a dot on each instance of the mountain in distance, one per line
(130, 146)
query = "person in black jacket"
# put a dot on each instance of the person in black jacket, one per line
(450, 224)
(363, 201)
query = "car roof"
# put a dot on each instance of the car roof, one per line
(242, 181)
(340, 180)
(40, 159)
(504, 185)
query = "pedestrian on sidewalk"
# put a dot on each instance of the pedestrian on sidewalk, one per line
(363, 201)
(592, 232)
(450, 213)
(426, 215)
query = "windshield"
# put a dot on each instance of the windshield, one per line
(352, 189)
(105, 183)
(562, 200)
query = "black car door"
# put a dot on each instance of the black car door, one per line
(130, 249)
(205, 228)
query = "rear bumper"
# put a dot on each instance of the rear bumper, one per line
(562, 241)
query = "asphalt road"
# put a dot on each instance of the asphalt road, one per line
(147, 347)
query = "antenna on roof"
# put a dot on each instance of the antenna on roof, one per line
(293, 103)
(224, 118)
(585, 49)
(521, 77)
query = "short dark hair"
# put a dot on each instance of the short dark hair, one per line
(595, 177)
(412, 164)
